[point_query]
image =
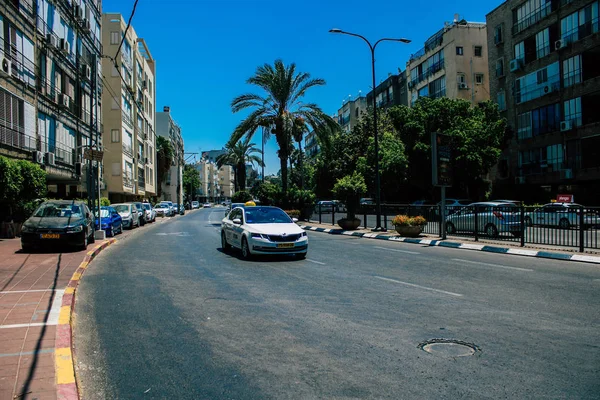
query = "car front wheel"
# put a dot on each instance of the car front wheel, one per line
(246, 249)
(224, 245)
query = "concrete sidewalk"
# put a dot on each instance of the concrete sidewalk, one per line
(32, 288)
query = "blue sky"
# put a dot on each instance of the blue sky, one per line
(206, 49)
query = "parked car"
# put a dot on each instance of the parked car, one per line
(171, 208)
(162, 210)
(195, 205)
(150, 212)
(206, 205)
(492, 219)
(329, 205)
(452, 206)
(263, 230)
(58, 222)
(112, 222)
(141, 212)
(562, 215)
(515, 202)
(129, 213)
(367, 201)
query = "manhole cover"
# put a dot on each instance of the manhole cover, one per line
(449, 348)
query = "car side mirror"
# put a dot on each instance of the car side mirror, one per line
(237, 221)
(295, 219)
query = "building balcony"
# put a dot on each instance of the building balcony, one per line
(128, 181)
(534, 17)
(127, 150)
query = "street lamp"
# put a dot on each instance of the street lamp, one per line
(378, 226)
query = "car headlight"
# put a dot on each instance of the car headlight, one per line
(77, 228)
(27, 229)
(259, 236)
(303, 234)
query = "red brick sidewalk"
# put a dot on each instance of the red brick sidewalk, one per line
(31, 292)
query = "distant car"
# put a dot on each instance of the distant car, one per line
(58, 222)
(206, 205)
(515, 202)
(328, 205)
(112, 222)
(162, 210)
(129, 213)
(366, 201)
(141, 212)
(452, 206)
(150, 212)
(492, 219)
(175, 209)
(195, 205)
(562, 215)
(171, 208)
(262, 230)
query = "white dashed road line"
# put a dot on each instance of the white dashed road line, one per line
(316, 262)
(492, 265)
(419, 286)
(396, 250)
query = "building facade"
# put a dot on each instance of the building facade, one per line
(129, 116)
(311, 145)
(350, 112)
(453, 63)
(393, 91)
(212, 155)
(543, 60)
(166, 127)
(216, 184)
(49, 83)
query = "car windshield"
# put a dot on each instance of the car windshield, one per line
(160, 206)
(265, 215)
(103, 213)
(59, 210)
(122, 208)
(146, 206)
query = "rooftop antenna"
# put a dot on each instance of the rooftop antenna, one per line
(455, 18)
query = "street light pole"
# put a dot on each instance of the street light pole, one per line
(378, 227)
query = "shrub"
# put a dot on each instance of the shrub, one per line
(241, 196)
(349, 189)
(405, 220)
(104, 202)
(21, 182)
(293, 213)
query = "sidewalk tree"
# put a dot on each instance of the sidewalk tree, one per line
(191, 181)
(280, 108)
(165, 155)
(21, 183)
(349, 189)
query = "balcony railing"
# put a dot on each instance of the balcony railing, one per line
(127, 150)
(535, 16)
(128, 180)
(580, 32)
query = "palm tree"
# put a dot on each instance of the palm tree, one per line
(279, 107)
(298, 130)
(238, 155)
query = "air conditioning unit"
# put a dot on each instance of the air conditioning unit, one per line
(520, 180)
(85, 25)
(6, 66)
(51, 40)
(65, 46)
(548, 89)
(515, 64)
(77, 11)
(566, 173)
(86, 71)
(38, 157)
(49, 158)
(560, 44)
(462, 85)
(566, 125)
(64, 101)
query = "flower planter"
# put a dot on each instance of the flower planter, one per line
(409, 231)
(348, 224)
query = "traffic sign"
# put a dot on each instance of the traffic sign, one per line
(93, 155)
(441, 160)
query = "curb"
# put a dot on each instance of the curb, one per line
(459, 245)
(64, 366)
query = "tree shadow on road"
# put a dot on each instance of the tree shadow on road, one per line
(271, 258)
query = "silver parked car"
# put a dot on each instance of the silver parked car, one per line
(129, 214)
(150, 212)
(493, 218)
(562, 215)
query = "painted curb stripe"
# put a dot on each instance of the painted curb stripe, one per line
(458, 245)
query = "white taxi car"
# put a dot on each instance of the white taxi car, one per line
(262, 230)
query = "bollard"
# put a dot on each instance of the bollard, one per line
(476, 224)
(581, 230)
(523, 227)
(320, 214)
(333, 214)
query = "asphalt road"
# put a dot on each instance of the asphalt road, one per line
(167, 315)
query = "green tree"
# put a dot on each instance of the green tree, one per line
(241, 197)
(279, 108)
(238, 154)
(104, 202)
(21, 184)
(164, 155)
(191, 181)
(349, 189)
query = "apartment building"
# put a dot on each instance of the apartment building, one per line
(350, 112)
(166, 127)
(216, 183)
(453, 63)
(311, 145)
(129, 117)
(49, 80)
(212, 155)
(543, 59)
(393, 91)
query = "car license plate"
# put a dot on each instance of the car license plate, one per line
(285, 245)
(50, 236)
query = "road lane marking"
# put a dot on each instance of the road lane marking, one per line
(396, 250)
(316, 262)
(27, 291)
(492, 265)
(418, 286)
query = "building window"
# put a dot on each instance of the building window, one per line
(524, 126)
(542, 43)
(537, 84)
(498, 34)
(115, 37)
(572, 71)
(554, 156)
(520, 51)
(580, 24)
(479, 79)
(542, 76)
(530, 13)
(501, 100)
(461, 79)
(459, 50)
(424, 91)
(437, 88)
(572, 111)
(545, 119)
(478, 50)
(114, 136)
(499, 67)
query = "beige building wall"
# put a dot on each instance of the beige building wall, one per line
(215, 183)
(226, 181)
(128, 115)
(466, 73)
